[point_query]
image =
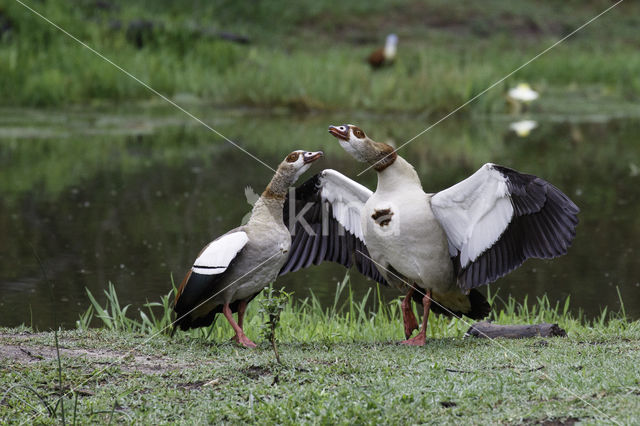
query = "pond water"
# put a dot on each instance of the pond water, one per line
(130, 196)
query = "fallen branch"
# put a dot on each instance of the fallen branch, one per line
(488, 330)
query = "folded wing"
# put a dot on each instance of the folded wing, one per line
(323, 216)
(203, 280)
(497, 218)
(216, 257)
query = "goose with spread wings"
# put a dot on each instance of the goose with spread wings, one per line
(230, 271)
(439, 247)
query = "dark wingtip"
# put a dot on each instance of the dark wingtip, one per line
(544, 226)
(480, 307)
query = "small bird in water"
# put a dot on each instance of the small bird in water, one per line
(384, 56)
(231, 270)
(521, 96)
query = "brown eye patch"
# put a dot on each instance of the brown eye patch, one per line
(357, 132)
(293, 157)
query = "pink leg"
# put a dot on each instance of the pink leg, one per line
(242, 307)
(421, 337)
(240, 336)
(408, 317)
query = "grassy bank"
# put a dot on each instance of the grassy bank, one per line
(311, 55)
(340, 365)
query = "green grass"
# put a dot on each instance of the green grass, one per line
(311, 55)
(340, 364)
(370, 319)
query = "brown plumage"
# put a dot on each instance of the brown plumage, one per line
(385, 55)
(376, 59)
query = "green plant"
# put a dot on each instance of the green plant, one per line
(272, 305)
(114, 316)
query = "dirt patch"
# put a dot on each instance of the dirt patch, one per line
(256, 371)
(554, 421)
(320, 361)
(191, 385)
(459, 21)
(127, 361)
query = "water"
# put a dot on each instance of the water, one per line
(130, 196)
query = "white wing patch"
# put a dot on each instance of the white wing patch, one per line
(474, 213)
(217, 256)
(347, 199)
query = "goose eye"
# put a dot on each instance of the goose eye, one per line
(293, 157)
(358, 133)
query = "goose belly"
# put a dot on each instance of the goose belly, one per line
(402, 232)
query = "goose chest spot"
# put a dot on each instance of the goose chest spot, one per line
(382, 217)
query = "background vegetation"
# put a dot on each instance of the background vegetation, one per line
(310, 55)
(97, 154)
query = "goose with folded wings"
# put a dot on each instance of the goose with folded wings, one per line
(235, 267)
(439, 247)
(385, 55)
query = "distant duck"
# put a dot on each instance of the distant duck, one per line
(520, 96)
(231, 270)
(523, 93)
(523, 128)
(437, 247)
(384, 56)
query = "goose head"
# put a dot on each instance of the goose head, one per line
(291, 168)
(296, 163)
(361, 147)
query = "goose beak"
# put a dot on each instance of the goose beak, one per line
(340, 132)
(310, 157)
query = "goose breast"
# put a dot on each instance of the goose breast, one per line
(403, 235)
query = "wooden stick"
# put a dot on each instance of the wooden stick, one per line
(486, 329)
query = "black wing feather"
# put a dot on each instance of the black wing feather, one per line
(336, 244)
(543, 226)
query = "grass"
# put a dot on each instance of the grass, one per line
(370, 319)
(310, 56)
(339, 365)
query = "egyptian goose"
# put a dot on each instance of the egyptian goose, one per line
(384, 55)
(440, 245)
(231, 270)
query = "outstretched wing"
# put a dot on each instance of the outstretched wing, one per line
(497, 218)
(323, 216)
(202, 280)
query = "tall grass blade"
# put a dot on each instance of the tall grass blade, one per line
(623, 312)
(60, 388)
